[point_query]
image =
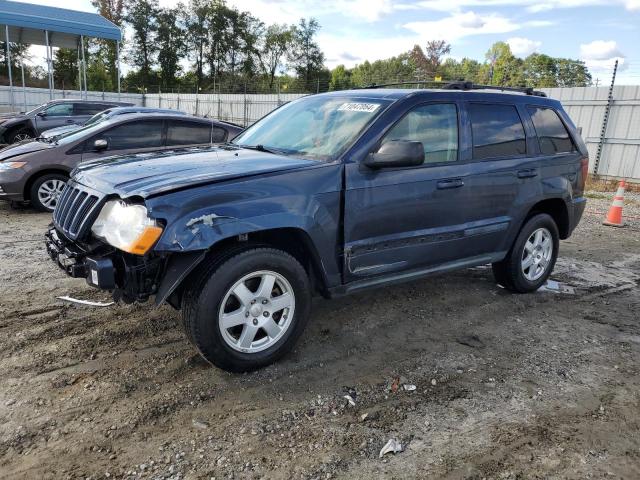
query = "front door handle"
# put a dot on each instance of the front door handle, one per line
(450, 183)
(529, 173)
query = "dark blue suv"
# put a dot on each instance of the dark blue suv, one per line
(329, 194)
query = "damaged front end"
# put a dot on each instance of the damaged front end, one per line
(107, 242)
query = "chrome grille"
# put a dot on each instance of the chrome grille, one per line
(75, 211)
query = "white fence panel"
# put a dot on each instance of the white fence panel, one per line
(586, 106)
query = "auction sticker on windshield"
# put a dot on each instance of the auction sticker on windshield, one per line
(359, 107)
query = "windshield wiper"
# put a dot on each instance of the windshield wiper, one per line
(261, 148)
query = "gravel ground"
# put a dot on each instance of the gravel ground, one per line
(507, 386)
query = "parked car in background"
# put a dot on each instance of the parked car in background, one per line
(15, 127)
(329, 194)
(38, 171)
(105, 115)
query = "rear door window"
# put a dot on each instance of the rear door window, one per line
(88, 108)
(497, 131)
(435, 126)
(553, 137)
(188, 133)
(132, 135)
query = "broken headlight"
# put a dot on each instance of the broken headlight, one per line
(126, 227)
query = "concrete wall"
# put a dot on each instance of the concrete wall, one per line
(586, 106)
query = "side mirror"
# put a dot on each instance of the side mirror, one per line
(397, 153)
(100, 144)
(41, 114)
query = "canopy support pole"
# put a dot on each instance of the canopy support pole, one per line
(118, 65)
(79, 69)
(6, 31)
(46, 38)
(24, 87)
(84, 68)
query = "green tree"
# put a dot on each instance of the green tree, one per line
(276, 42)
(572, 73)
(112, 10)
(340, 78)
(171, 44)
(305, 56)
(65, 68)
(504, 68)
(142, 15)
(434, 53)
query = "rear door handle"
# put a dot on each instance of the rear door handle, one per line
(450, 183)
(529, 173)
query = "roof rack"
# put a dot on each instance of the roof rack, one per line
(394, 84)
(461, 85)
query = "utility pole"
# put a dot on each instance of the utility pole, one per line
(597, 82)
(605, 120)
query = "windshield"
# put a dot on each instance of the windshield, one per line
(317, 126)
(72, 136)
(97, 118)
(33, 110)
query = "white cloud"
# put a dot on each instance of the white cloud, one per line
(522, 47)
(461, 25)
(530, 5)
(602, 54)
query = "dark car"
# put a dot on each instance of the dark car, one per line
(105, 115)
(330, 194)
(16, 127)
(38, 171)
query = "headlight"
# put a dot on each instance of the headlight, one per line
(126, 227)
(11, 165)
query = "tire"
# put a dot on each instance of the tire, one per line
(210, 299)
(513, 272)
(46, 191)
(20, 134)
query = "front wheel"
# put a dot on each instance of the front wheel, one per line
(532, 257)
(247, 311)
(46, 191)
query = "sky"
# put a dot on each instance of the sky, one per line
(352, 31)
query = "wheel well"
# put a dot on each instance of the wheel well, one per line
(20, 126)
(294, 241)
(557, 209)
(36, 176)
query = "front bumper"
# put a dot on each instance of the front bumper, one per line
(98, 272)
(131, 278)
(12, 184)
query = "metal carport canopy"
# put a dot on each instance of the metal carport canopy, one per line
(27, 23)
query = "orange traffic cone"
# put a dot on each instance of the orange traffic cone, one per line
(614, 217)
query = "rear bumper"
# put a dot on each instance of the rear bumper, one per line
(576, 209)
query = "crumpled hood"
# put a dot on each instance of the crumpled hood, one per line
(28, 146)
(146, 174)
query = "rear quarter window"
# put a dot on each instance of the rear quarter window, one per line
(553, 136)
(497, 131)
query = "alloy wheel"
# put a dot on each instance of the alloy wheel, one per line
(256, 311)
(49, 192)
(537, 254)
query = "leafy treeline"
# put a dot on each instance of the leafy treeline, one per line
(207, 45)
(501, 67)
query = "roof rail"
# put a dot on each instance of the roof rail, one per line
(462, 85)
(394, 84)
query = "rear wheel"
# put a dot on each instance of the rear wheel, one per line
(248, 311)
(532, 257)
(20, 135)
(46, 191)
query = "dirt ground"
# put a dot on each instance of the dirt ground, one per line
(508, 386)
